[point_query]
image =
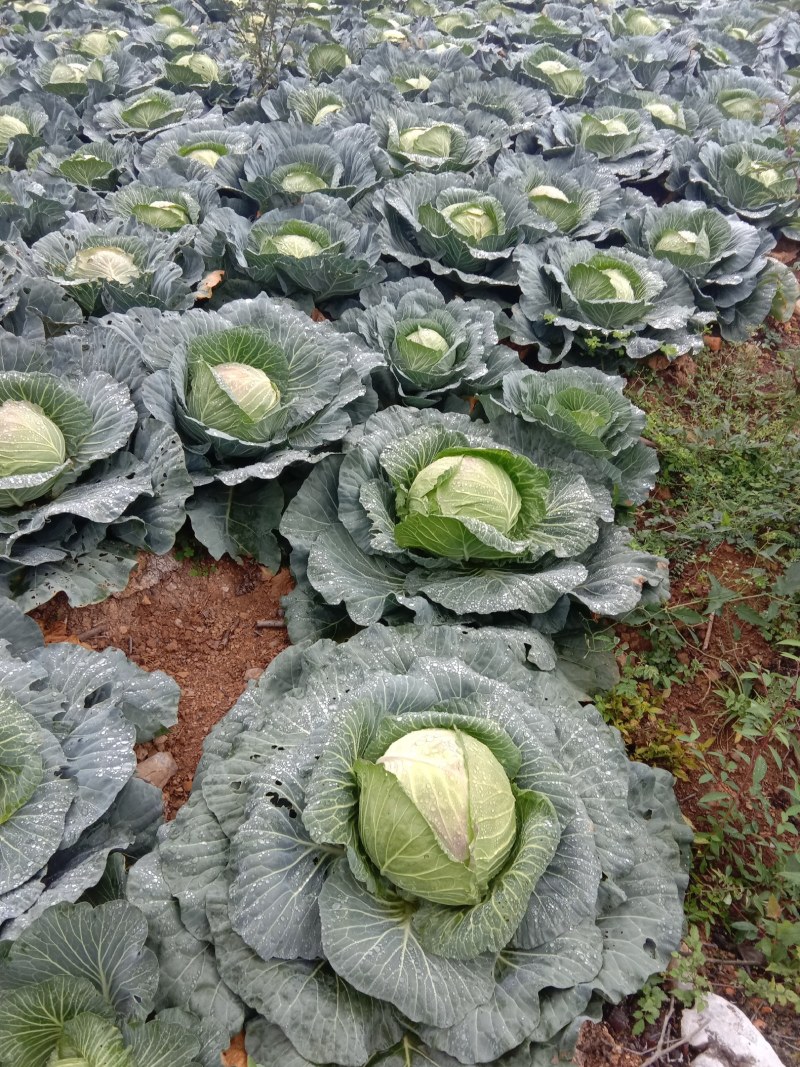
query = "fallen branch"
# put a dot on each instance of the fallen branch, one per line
(709, 628)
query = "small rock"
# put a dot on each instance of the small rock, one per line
(723, 1031)
(178, 623)
(714, 343)
(252, 674)
(124, 630)
(172, 646)
(706, 1059)
(187, 783)
(157, 769)
(146, 601)
(160, 742)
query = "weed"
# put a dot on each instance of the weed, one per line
(637, 711)
(685, 983)
(188, 548)
(263, 30)
(763, 704)
(729, 452)
(729, 448)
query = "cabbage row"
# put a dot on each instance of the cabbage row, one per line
(356, 296)
(413, 848)
(210, 285)
(70, 805)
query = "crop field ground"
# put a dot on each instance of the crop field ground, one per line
(386, 363)
(710, 685)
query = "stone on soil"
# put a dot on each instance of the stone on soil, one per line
(726, 1037)
(157, 769)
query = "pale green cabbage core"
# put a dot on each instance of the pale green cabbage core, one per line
(464, 798)
(68, 73)
(168, 17)
(550, 67)
(744, 105)
(615, 127)
(165, 214)
(761, 172)
(11, 126)
(325, 112)
(430, 766)
(642, 25)
(393, 35)
(450, 22)
(664, 113)
(103, 263)
(471, 220)
(590, 412)
(145, 112)
(208, 154)
(548, 192)
(202, 65)
(296, 245)
(428, 338)
(180, 39)
(302, 181)
(248, 387)
(100, 43)
(427, 141)
(466, 487)
(684, 243)
(420, 82)
(30, 443)
(620, 284)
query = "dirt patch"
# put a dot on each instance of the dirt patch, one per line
(196, 620)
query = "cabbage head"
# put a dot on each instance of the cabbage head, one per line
(317, 247)
(429, 514)
(76, 990)
(289, 161)
(433, 348)
(581, 415)
(415, 849)
(201, 151)
(623, 139)
(725, 261)
(460, 225)
(93, 166)
(20, 127)
(105, 268)
(517, 106)
(166, 209)
(561, 74)
(410, 73)
(577, 298)
(143, 114)
(754, 181)
(79, 485)
(340, 103)
(433, 137)
(574, 196)
(69, 720)
(251, 390)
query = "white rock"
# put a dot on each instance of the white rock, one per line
(157, 769)
(727, 1036)
(706, 1059)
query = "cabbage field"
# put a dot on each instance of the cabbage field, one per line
(447, 335)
